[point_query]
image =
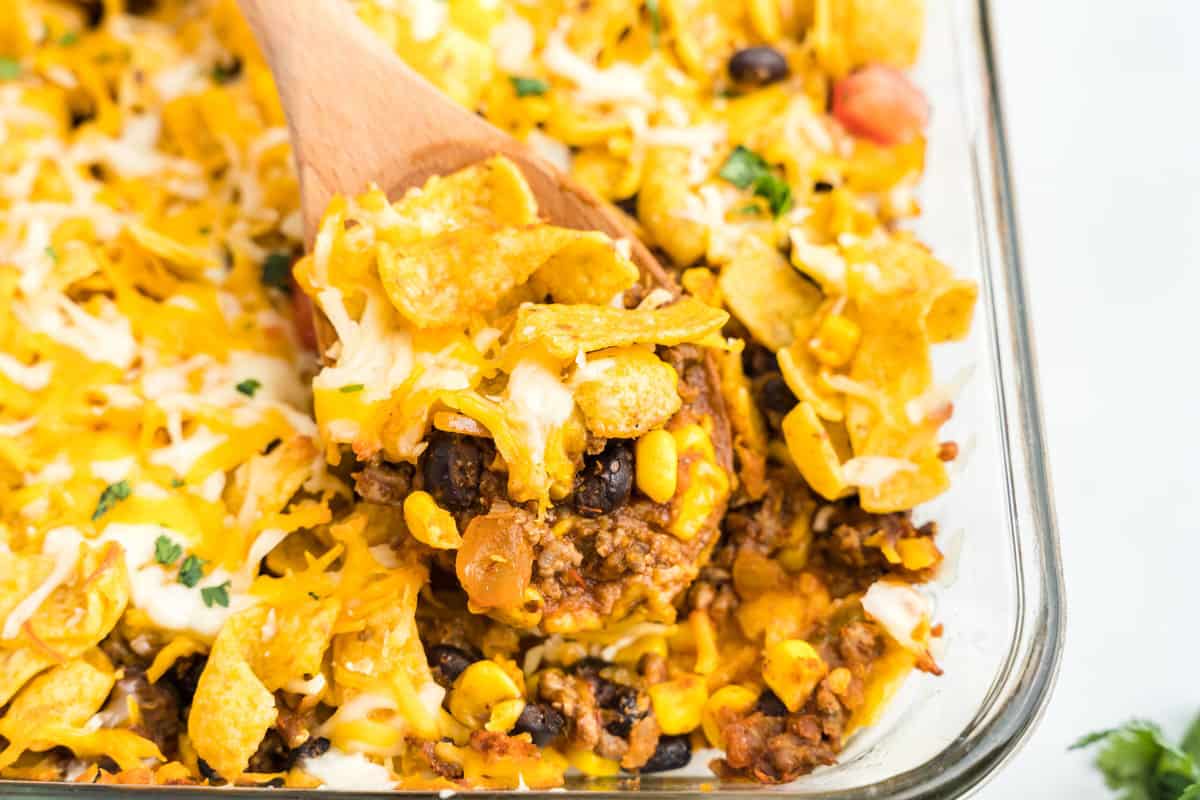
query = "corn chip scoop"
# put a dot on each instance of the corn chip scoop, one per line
(497, 354)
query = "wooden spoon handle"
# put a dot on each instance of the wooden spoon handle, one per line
(357, 113)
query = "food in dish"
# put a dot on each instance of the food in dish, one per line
(533, 509)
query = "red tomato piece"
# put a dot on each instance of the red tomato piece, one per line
(881, 104)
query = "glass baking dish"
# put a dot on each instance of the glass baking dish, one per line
(1000, 596)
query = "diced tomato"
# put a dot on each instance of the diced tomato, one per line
(881, 104)
(302, 310)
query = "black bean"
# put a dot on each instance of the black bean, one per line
(629, 205)
(758, 360)
(544, 723)
(770, 705)
(672, 752)
(757, 66)
(448, 662)
(822, 187)
(452, 466)
(774, 395)
(606, 480)
(588, 665)
(207, 772)
(315, 747)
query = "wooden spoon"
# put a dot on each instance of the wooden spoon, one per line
(357, 114)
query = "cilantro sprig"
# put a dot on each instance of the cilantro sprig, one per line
(191, 571)
(215, 595)
(529, 87)
(1139, 763)
(746, 169)
(277, 271)
(10, 69)
(249, 386)
(112, 494)
(166, 550)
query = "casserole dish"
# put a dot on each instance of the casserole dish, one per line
(1000, 596)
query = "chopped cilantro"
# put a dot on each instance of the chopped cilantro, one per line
(249, 386)
(10, 69)
(746, 169)
(1138, 762)
(314, 595)
(224, 73)
(112, 494)
(215, 595)
(52, 254)
(205, 230)
(655, 21)
(69, 38)
(351, 388)
(749, 208)
(166, 552)
(529, 87)
(176, 483)
(191, 571)
(277, 271)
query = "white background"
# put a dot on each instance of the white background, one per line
(1103, 105)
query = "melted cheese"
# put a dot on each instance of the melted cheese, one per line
(33, 377)
(156, 590)
(539, 403)
(348, 771)
(902, 610)
(621, 83)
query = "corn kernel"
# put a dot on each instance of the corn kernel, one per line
(793, 669)
(678, 703)
(631, 654)
(504, 716)
(368, 736)
(591, 764)
(657, 465)
(479, 689)
(835, 340)
(839, 681)
(728, 701)
(917, 553)
(707, 483)
(430, 524)
(707, 656)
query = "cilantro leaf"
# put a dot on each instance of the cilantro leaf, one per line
(112, 494)
(166, 552)
(1191, 740)
(191, 571)
(52, 254)
(746, 169)
(249, 386)
(1140, 764)
(655, 21)
(277, 271)
(176, 483)
(10, 69)
(69, 38)
(224, 73)
(215, 595)
(529, 87)
(351, 388)
(743, 167)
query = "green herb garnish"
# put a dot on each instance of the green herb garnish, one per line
(10, 69)
(52, 254)
(746, 169)
(277, 271)
(249, 386)
(191, 571)
(176, 483)
(1140, 764)
(224, 73)
(112, 494)
(69, 38)
(215, 595)
(655, 21)
(166, 552)
(529, 87)
(351, 388)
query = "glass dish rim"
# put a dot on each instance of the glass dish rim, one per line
(967, 762)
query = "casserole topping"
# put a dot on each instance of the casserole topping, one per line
(532, 509)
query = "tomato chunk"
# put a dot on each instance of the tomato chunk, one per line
(880, 104)
(495, 561)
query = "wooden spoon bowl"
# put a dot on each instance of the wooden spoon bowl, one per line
(358, 114)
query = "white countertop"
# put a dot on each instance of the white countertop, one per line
(1104, 123)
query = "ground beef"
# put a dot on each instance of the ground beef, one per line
(384, 483)
(773, 749)
(574, 698)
